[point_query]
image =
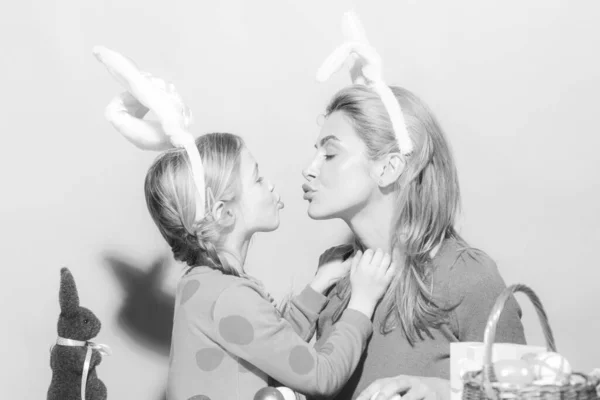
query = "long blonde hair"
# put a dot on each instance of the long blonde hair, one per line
(428, 200)
(171, 199)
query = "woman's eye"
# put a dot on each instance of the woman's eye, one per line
(259, 180)
(329, 156)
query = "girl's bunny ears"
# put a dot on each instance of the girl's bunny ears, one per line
(144, 93)
(365, 69)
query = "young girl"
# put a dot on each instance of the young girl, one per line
(228, 338)
(384, 166)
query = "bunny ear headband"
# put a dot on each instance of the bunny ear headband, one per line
(155, 94)
(365, 69)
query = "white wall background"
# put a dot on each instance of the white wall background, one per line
(514, 83)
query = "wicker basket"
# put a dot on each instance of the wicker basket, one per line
(483, 384)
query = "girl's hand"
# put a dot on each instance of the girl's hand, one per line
(370, 276)
(332, 268)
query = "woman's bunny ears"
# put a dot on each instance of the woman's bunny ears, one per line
(174, 117)
(365, 69)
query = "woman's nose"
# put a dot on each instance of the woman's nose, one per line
(309, 172)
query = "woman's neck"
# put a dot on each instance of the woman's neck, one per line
(373, 226)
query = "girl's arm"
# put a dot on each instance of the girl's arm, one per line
(302, 311)
(246, 324)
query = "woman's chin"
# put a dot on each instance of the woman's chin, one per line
(315, 213)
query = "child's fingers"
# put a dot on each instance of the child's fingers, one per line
(384, 264)
(366, 259)
(347, 265)
(377, 257)
(390, 272)
(355, 260)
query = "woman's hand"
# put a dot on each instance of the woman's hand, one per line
(411, 388)
(332, 267)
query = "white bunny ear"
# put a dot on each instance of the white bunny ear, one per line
(353, 29)
(344, 54)
(366, 69)
(145, 135)
(122, 68)
(151, 92)
(334, 62)
(160, 97)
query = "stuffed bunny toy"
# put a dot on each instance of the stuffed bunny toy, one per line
(73, 359)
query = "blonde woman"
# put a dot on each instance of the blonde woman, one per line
(403, 204)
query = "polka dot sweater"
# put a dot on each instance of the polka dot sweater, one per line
(228, 339)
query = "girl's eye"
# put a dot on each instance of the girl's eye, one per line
(259, 180)
(329, 156)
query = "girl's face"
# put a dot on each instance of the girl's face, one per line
(258, 203)
(339, 183)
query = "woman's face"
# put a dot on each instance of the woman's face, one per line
(258, 203)
(338, 178)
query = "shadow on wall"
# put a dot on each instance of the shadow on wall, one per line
(147, 311)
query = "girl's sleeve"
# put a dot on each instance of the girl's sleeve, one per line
(303, 310)
(248, 326)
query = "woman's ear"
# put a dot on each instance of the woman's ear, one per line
(389, 169)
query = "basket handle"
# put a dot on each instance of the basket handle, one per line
(490, 331)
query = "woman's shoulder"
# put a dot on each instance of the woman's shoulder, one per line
(344, 249)
(469, 282)
(461, 270)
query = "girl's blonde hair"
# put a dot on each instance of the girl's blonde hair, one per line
(171, 199)
(428, 200)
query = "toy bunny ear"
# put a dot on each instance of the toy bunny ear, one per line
(68, 296)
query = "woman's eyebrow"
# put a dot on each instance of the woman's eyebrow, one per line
(326, 139)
